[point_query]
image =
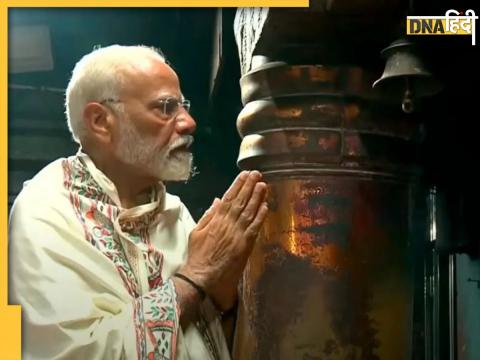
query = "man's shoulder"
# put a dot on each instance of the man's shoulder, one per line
(47, 178)
(44, 189)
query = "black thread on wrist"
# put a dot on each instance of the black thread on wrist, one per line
(199, 289)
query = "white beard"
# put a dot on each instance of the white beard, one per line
(166, 164)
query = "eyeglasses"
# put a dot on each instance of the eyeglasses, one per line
(169, 107)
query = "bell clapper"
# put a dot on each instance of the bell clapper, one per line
(407, 102)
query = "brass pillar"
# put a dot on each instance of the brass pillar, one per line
(331, 275)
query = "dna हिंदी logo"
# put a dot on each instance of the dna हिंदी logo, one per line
(453, 23)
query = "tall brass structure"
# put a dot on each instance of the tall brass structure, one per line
(331, 277)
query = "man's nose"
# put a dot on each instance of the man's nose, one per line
(185, 124)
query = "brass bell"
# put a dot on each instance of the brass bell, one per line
(405, 76)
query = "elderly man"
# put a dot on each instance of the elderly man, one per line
(104, 262)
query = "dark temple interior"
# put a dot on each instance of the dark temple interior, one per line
(369, 250)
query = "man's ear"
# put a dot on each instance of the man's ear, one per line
(98, 120)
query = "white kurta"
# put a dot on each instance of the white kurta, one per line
(93, 279)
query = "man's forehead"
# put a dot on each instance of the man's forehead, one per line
(151, 67)
(152, 74)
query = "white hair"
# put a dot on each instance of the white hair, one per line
(99, 76)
